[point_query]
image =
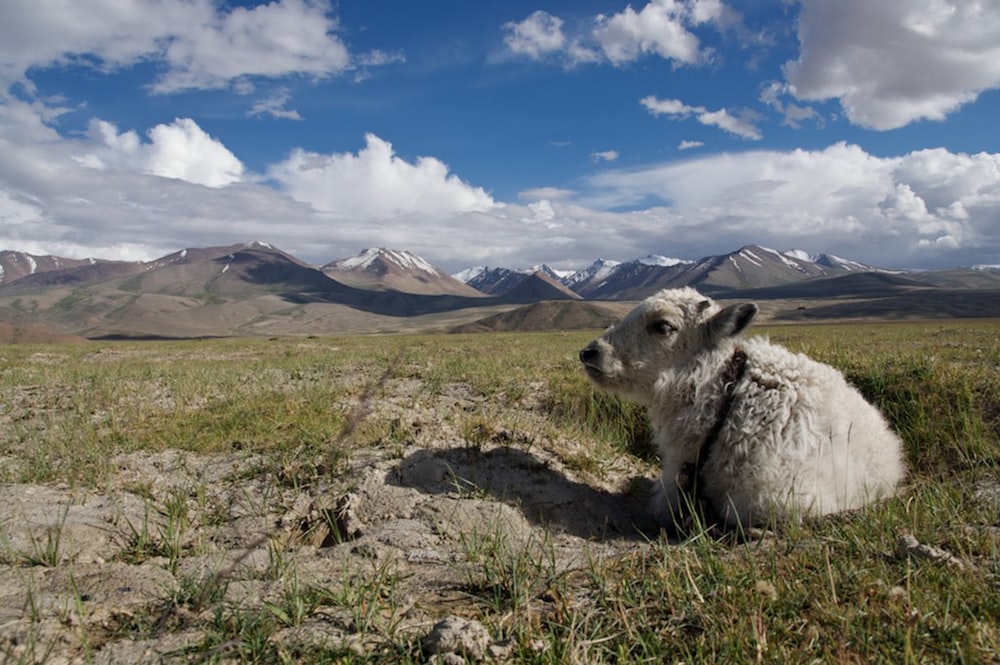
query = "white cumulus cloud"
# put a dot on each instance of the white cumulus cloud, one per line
(841, 199)
(892, 62)
(741, 126)
(660, 27)
(198, 43)
(288, 36)
(181, 150)
(376, 182)
(539, 34)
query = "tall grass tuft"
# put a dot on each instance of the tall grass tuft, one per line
(575, 404)
(946, 417)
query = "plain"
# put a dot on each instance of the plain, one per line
(329, 499)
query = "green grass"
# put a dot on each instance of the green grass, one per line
(832, 590)
(938, 384)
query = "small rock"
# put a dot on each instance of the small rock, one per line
(446, 659)
(501, 650)
(460, 636)
(347, 520)
(909, 545)
(987, 491)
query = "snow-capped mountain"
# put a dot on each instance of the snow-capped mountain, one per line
(558, 275)
(596, 273)
(15, 265)
(383, 269)
(496, 281)
(503, 281)
(665, 261)
(381, 259)
(831, 261)
(749, 266)
(605, 279)
(469, 274)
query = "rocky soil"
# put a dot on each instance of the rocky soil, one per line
(402, 543)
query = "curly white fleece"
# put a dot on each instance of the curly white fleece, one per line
(798, 440)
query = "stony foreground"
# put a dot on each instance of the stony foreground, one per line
(378, 552)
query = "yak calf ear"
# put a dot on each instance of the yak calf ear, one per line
(730, 321)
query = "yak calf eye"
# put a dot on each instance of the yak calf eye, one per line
(661, 327)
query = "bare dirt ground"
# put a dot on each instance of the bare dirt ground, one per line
(396, 538)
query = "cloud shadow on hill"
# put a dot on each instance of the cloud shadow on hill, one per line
(388, 303)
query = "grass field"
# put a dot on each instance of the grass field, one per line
(912, 580)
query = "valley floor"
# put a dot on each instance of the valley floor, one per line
(333, 499)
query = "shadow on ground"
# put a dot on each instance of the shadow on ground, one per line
(545, 495)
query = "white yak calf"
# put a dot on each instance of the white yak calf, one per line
(747, 431)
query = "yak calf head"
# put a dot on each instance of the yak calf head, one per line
(663, 332)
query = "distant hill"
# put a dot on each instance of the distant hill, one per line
(550, 315)
(854, 285)
(611, 280)
(979, 278)
(872, 296)
(72, 275)
(382, 269)
(908, 305)
(235, 271)
(15, 265)
(539, 286)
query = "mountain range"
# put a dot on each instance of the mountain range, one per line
(751, 266)
(258, 289)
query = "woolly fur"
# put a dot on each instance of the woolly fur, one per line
(798, 440)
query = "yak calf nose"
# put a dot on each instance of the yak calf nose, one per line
(589, 353)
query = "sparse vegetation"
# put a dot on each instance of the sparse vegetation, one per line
(243, 461)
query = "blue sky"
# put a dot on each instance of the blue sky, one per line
(506, 134)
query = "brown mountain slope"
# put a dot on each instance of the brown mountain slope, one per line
(222, 291)
(551, 315)
(855, 285)
(539, 286)
(72, 277)
(238, 273)
(17, 265)
(912, 304)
